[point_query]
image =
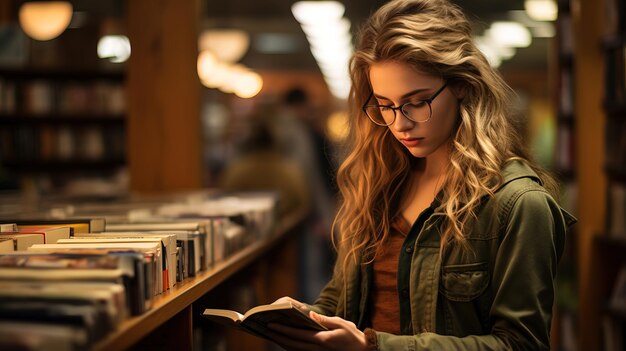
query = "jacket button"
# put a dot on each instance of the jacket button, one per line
(405, 293)
(408, 249)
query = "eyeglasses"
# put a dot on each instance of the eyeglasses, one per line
(417, 111)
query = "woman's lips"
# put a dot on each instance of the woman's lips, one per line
(409, 142)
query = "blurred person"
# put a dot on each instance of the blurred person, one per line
(302, 138)
(261, 166)
(448, 234)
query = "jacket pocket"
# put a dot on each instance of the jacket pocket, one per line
(464, 282)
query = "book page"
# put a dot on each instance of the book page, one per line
(287, 315)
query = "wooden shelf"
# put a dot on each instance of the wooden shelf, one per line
(56, 119)
(169, 304)
(61, 74)
(58, 166)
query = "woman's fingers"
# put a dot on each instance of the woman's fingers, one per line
(330, 322)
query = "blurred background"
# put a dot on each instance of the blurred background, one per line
(99, 99)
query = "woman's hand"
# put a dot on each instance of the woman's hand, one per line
(299, 305)
(341, 335)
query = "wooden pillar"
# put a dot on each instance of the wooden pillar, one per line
(164, 129)
(590, 119)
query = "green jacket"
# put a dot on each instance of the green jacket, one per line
(496, 296)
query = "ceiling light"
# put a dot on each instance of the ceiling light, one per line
(45, 20)
(511, 34)
(541, 10)
(308, 12)
(248, 85)
(206, 65)
(228, 45)
(115, 48)
(327, 29)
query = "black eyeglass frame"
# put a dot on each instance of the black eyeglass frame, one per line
(428, 101)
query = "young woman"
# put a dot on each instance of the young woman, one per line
(448, 235)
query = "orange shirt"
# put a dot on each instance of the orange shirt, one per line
(385, 311)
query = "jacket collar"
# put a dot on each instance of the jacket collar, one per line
(516, 170)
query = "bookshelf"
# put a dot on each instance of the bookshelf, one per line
(566, 85)
(611, 243)
(564, 78)
(57, 122)
(169, 323)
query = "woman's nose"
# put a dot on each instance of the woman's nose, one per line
(402, 123)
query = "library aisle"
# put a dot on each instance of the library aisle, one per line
(130, 131)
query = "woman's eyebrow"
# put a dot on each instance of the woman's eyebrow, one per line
(409, 94)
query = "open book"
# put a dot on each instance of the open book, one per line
(255, 321)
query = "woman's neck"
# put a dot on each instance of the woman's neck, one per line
(434, 165)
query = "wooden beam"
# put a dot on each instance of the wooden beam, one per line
(589, 136)
(164, 129)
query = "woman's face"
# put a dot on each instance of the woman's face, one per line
(396, 83)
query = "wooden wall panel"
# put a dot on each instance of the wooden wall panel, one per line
(590, 119)
(164, 134)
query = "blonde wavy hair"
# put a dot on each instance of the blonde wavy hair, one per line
(435, 37)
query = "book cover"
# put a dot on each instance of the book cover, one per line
(163, 282)
(50, 234)
(8, 227)
(191, 236)
(78, 225)
(77, 267)
(151, 251)
(22, 242)
(6, 245)
(169, 243)
(255, 320)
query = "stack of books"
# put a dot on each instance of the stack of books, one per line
(69, 275)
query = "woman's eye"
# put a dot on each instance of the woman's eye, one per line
(418, 103)
(384, 108)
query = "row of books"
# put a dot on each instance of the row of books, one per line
(48, 143)
(86, 274)
(43, 97)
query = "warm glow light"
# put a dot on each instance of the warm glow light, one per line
(511, 34)
(330, 41)
(228, 45)
(541, 10)
(248, 85)
(206, 65)
(485, 46)
(227, 77)
(217, 77)
(307, 12)
(45, 20)
(115, 48)
(327, 29)
(337, 126)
